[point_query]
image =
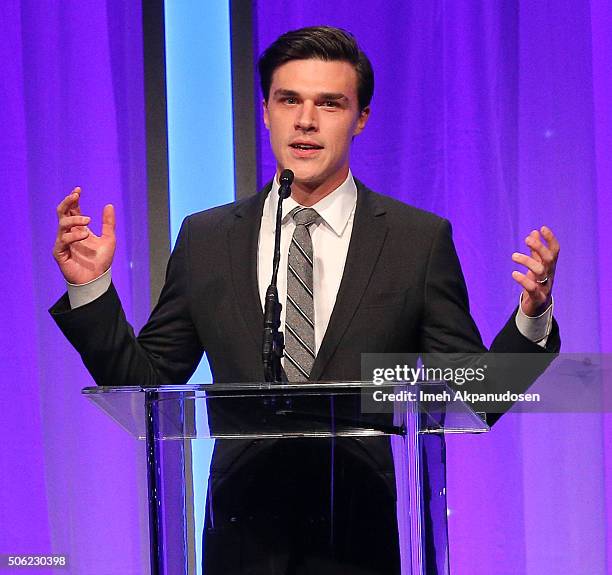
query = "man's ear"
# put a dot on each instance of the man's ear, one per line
(266, 114)
(362, 120)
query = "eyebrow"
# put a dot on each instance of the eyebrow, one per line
(332, 96)
(324, 96)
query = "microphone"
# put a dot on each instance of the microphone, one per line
(273, 339)
(286, 179)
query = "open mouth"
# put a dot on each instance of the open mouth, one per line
(306, 147)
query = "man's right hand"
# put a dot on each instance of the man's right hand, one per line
(81, 255)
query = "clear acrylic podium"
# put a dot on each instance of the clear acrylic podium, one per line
(298, 450)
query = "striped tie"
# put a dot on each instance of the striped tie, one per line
(299, 320)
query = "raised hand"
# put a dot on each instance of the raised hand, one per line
(538, 281)
(80, 254)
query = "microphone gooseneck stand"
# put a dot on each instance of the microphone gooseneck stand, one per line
(273, 339)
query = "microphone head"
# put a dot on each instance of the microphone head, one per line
(286, 178)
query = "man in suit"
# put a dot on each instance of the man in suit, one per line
(383, 278)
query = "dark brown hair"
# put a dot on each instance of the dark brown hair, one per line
(321, 43)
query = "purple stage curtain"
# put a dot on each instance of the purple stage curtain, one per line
(72, 113)
(497, 116)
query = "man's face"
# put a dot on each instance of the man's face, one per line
(312, 114)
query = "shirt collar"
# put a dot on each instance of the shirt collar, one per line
(335, 209)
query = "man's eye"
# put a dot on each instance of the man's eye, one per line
(290, 100)
(330, 104)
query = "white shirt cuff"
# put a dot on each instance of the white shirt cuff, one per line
(537, 328)
(82, 294)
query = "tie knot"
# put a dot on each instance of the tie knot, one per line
(305, 216)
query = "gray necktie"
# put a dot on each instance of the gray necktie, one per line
(299, 318)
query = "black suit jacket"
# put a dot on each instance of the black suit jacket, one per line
(402, 291)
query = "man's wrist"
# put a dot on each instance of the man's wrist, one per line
(537, 328)
(82, 294)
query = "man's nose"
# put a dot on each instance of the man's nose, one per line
(306, 119)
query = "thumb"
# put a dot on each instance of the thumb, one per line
(108, 221)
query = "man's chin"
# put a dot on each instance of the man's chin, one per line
(308, 182)
(305, 176)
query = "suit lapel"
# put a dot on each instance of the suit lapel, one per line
(367, 238)
(243, 239)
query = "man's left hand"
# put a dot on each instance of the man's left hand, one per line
(537, 283)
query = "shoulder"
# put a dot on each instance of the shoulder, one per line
(401, 215)
(219, 214)
(224, 215)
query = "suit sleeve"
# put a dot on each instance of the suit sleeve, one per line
(447, 323)
(449, 328)
(168, 349)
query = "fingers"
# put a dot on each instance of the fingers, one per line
(75, 235)
(66, 223)
(536, 297)
(547, 253)
(108, 221)
(544, 256)
(528, 283)
(538, 248)
(72, 225)
(69, 215)
(70, 204)
(71, 229)
(551, 240)
(537, 283)
(61, 249)
(535, 266)
(75, 209)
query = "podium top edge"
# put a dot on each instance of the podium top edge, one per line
(261, 386)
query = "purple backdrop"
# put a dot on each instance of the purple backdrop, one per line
(497, 116)
(71, 113)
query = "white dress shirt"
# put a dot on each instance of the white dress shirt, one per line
(331, 236)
